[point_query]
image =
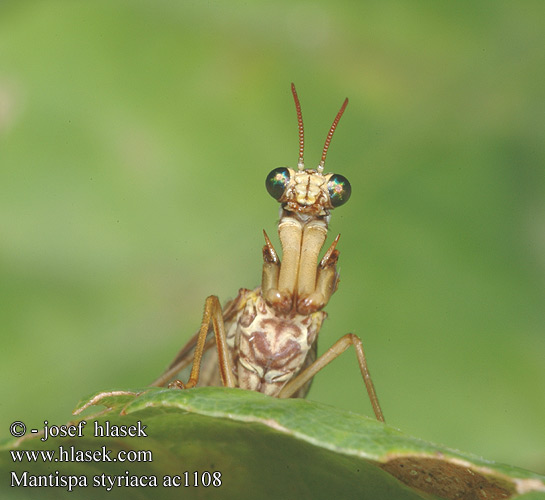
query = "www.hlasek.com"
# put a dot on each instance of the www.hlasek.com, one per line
(72, 454)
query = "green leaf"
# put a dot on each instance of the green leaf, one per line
(261, 447)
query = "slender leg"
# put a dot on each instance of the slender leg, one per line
(212, 313)
(333, 352)
(182, 360)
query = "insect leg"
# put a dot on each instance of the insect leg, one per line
(183, 359)
(325, 283)
(333, 352)
(212, 313)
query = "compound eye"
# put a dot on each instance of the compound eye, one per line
(339, 190)
(277, 181)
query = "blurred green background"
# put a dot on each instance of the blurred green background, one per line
(135, 137)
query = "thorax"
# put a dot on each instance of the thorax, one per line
(267, 348)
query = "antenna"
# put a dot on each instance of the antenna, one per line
(300, 163)
(320, 168)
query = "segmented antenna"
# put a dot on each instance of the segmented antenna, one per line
(320, 168)
(301, 162)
